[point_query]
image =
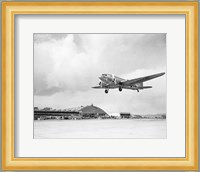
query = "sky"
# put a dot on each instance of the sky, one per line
(66, 66)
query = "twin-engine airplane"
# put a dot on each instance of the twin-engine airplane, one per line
(109, 81)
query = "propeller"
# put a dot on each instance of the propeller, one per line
(100, 83)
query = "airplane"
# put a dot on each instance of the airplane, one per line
(110, 81)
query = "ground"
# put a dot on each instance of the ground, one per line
(123, 128)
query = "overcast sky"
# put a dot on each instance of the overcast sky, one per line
(66, 66)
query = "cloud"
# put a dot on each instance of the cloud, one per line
(45, 37)
(66, 66)
(61, 65)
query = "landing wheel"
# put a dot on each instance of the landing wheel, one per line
(137, 90)
(106, 91)
(120, 88)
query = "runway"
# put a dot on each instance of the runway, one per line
(110, 128)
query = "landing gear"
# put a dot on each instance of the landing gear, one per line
(106, 91)
(137, 90)
(120, 88)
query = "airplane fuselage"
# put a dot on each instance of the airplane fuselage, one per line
(108, 78)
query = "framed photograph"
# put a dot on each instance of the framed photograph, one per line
(100, 85)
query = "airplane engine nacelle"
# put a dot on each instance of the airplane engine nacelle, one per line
(139, 84)
(101, 84)
(114, 79)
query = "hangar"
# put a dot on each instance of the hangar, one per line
(83, 112)
(92, 111)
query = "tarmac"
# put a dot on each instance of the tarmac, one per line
(101, 129)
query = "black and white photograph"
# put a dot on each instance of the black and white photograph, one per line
(100, 86)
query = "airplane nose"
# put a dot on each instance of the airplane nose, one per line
(100, 77)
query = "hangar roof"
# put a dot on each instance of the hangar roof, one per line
(92, 109)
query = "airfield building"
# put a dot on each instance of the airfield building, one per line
(82, 112)
(125, 115)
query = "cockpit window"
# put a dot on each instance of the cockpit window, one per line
(106, 75)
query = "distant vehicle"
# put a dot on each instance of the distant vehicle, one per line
(109, 81)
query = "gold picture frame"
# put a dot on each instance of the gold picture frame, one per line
(10, 9)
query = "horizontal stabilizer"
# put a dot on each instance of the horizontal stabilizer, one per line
(145, 87)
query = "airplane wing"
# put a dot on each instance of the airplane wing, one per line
(98, 87)
(142, 79)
